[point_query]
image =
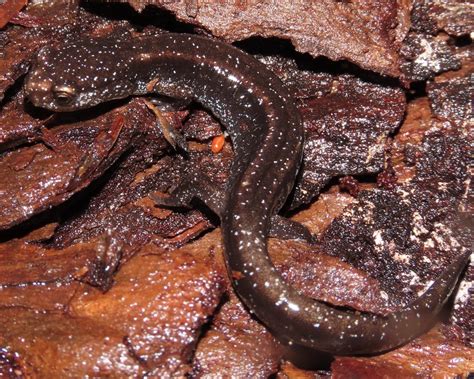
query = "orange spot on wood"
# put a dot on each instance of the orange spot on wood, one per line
(217, 144)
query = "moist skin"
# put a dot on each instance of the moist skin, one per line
(267, 135)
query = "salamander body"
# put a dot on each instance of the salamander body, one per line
(267, 135)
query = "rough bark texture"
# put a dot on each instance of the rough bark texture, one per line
(430, 47)
(368, 33)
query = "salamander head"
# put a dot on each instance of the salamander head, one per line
(79, 75)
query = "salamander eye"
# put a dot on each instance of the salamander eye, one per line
(64, 95)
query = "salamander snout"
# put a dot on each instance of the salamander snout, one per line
(45, 89)
(80, 74)
(43, 93)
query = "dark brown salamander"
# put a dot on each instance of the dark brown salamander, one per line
(267, 136)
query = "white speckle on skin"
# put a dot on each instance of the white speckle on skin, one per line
(293, 306)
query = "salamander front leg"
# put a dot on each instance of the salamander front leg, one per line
(173, 136)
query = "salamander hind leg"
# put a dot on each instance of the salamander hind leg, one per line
(198, 186)
(286, 229)
(194, 186)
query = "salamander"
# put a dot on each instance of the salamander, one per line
(267, 136)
